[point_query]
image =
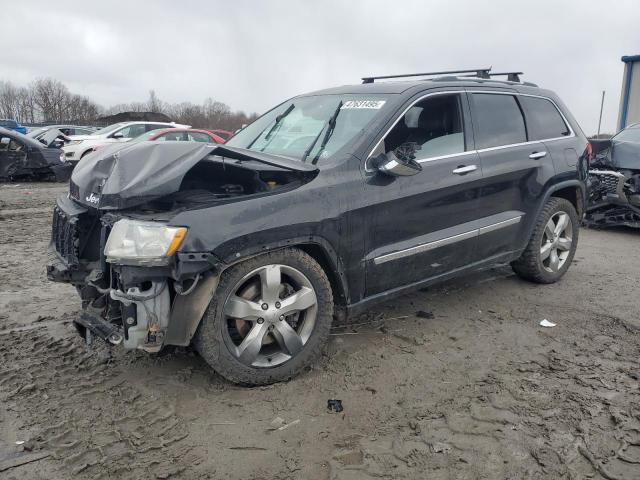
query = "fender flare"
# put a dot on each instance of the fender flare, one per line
(330, 261)
(554, 188)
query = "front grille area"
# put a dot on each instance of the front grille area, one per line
(609, 182)
(65, 235)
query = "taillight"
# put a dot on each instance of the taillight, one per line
(588, 153)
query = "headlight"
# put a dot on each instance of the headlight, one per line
(138, 242)
(73, 142)
(62, 157)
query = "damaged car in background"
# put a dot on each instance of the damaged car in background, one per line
(327, 204)
(23, 158)
(614, 180)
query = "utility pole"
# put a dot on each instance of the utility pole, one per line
(601, 105)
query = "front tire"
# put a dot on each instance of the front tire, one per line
(269, 319)
(552, 245)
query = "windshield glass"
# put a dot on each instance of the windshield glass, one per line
(110, 128)
(310, 128)
(8, 123)
(629, 135)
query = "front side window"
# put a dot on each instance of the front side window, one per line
(312, 128)
(498, 119)
(431, 128)
(10, 144)
(543, 119)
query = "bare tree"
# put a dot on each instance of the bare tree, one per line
(49, 100)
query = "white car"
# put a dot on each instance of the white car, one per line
(81, 145)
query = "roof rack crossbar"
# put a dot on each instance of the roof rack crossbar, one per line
(477, 72)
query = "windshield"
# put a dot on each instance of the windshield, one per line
(8, 123)
(310, 128)
(110, 128)
(631, 134)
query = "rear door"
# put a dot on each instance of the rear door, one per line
(546, 123)
(423, 226)
(514, 167)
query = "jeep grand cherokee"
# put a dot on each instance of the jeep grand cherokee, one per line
(328, 203)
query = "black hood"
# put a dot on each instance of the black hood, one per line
(118, 177)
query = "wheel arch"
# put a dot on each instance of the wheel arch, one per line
(187, 313)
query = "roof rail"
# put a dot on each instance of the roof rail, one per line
(477, 72)
(511, 76)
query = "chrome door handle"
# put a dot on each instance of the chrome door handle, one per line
(464, 169)
(537, 155)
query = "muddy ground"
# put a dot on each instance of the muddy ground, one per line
(476, 390)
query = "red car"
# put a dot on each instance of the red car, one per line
(223, 133)
(180, 134)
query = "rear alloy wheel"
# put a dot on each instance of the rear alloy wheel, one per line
(269, 318)
(552, 245)
(557, 240)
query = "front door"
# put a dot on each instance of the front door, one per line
(423, 226)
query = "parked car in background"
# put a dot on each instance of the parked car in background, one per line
(12, 125)
(180, 135)
(614, 180)
(226, 134)
(67, 130)
(23, 158)
(81, 145)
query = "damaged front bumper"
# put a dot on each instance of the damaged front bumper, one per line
(613, 200)
(139, 307)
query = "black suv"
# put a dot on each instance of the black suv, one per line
(328, 203)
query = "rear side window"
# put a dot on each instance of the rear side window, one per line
(543, 119)
(499, 120)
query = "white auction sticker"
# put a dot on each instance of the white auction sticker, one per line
(372, 104)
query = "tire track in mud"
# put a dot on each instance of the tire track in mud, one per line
(77, 406)
(569, 413)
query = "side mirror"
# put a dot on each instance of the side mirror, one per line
(117, 135)
(391, 164)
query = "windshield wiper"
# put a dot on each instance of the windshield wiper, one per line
(279, 118)
(331, 123)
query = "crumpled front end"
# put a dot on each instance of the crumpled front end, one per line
(113, 237)
(140, 307)
(614, 188)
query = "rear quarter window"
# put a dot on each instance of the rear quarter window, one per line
(543, 119)
(498, 120)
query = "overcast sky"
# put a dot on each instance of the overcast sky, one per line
(252, 54)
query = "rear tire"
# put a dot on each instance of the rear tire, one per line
(552, 245)
(263, 327)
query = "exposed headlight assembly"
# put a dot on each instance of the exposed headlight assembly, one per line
(135, 242)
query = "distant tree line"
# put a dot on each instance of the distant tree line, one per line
(47, 100)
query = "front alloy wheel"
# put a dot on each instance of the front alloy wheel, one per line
(270, 315)
(269, 318)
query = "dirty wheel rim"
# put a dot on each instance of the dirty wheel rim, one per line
(556, 242)
(269, 316)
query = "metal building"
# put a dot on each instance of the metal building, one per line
(630, 97)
